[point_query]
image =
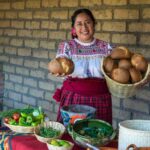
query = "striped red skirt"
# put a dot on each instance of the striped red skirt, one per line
(88, 91)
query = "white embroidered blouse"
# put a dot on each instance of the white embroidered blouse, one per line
(86, 56)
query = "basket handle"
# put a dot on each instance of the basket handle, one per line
(132, 146)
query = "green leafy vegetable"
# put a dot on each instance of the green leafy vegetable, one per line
(95, 132)
(48, 132)
(9, 113)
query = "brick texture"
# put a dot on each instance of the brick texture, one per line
(50, 3)
(1, 87)
(29, 35)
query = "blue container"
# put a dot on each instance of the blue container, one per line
(72, 113)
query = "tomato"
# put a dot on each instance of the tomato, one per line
(6, 119)
(16, 116)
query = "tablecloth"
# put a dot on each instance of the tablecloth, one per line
(17, 141)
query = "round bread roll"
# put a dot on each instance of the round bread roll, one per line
(139, 62)
(61, 66)
(55, 67)
(124, 63)
(67, 65)
(135, 74)
(120, 75)
(120, 52)
(109, 64)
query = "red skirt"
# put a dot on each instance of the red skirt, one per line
(88, 91)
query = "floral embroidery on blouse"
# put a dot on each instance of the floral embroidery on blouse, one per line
(86, 56)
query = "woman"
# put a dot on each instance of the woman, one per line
(86, 84)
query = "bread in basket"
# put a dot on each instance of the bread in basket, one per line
(124, 90)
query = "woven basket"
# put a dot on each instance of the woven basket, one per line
(124, 90)
(134, 132)
(54, 125)
(20, 129)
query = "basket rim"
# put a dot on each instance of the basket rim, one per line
(71, 144)
(121, 84)
(92, 109)
(55, 122)
(25, 127)
(21, 129)
(122, 125)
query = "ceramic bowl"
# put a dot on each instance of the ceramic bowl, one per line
(72, 113)
(92, 131)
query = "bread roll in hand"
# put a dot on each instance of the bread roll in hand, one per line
(61, 66)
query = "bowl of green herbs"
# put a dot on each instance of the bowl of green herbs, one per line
(49, 130)
(92, 131)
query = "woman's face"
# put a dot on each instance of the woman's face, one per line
(84, 28)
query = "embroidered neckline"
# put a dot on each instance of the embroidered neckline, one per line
(88, 56)
(85, 44)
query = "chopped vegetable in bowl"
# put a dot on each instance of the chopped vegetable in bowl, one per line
(57, 144)
(92, 131)
(48, 132)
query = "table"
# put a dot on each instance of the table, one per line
(29, 142)
(18, 141)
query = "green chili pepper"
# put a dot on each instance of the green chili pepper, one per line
(23, 114)
(12, 122)
(40, 118)
(22, 121)
(34, 123)
(29, 119)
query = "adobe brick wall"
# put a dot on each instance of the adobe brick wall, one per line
(30, 31)
(1, 86)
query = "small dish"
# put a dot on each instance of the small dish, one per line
(56, 126)
(59, 145)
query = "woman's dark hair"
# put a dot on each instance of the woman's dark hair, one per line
(79, 11)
